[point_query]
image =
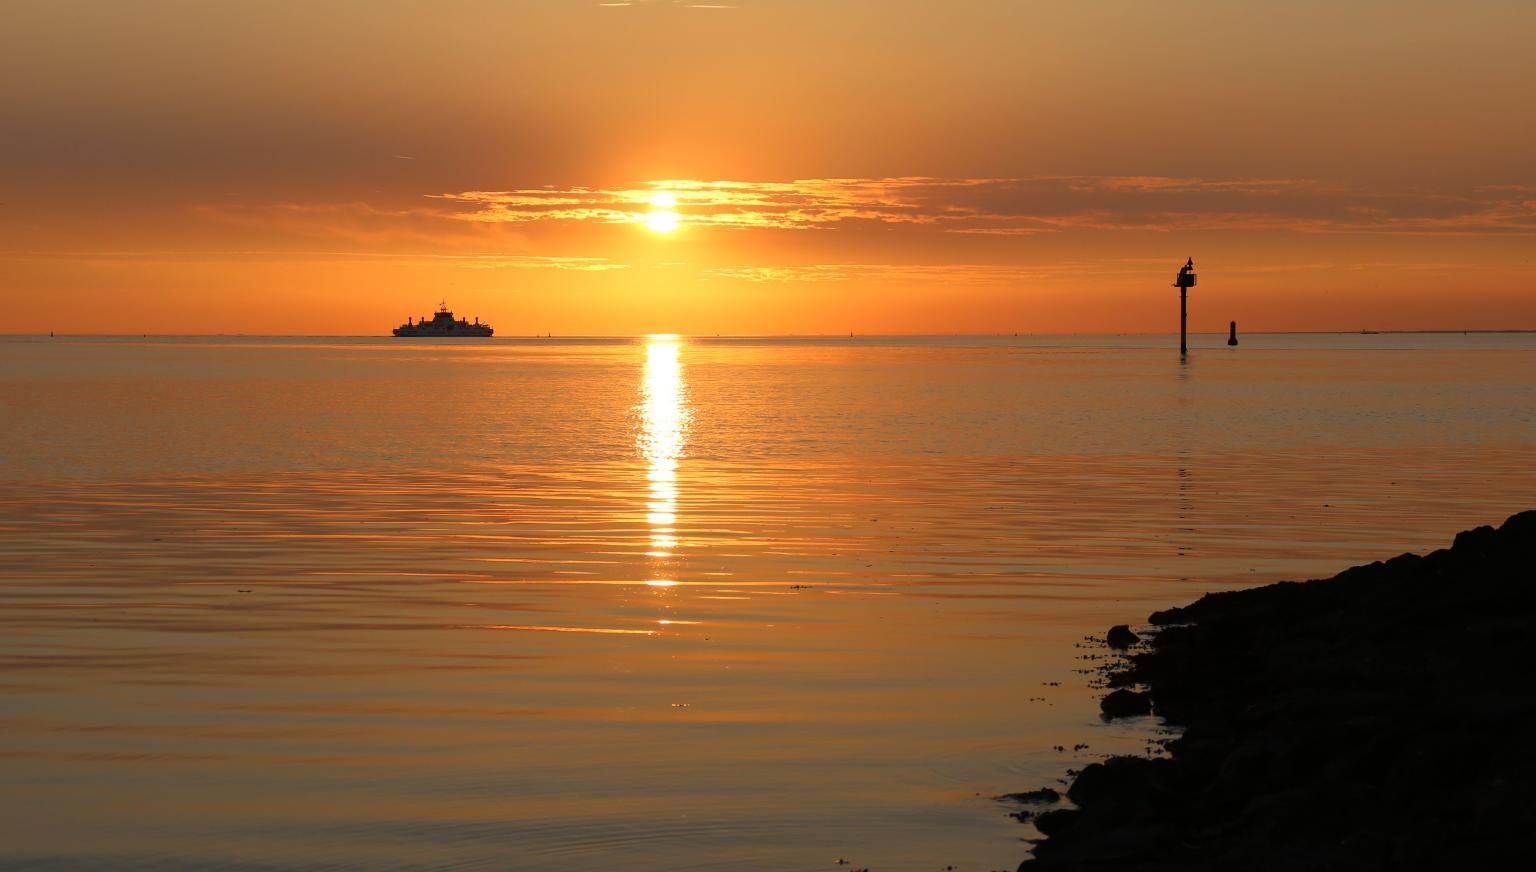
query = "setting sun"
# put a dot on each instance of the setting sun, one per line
(661, 222)
(663, 217)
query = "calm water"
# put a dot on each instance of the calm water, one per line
(656, 604)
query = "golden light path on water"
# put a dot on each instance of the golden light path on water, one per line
(664, 416)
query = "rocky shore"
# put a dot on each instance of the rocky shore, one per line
(1380, 719)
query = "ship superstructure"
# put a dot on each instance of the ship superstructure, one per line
(443, 324)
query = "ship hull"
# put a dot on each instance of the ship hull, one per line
(470, 332)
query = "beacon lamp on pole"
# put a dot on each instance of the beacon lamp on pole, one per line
(1184, 282)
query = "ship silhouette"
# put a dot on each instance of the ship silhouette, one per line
(442, 324)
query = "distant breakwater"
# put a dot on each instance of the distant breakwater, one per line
(1380, 719)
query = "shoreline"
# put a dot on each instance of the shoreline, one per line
(1378, 719)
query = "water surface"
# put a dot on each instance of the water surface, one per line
(663, 603)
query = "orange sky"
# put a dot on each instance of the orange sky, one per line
(865, 165)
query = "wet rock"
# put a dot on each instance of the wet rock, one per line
(1243, 773)
(1117, 775)
(1056, 821)
(1044, 794)
(1120, 637)
(1124, 703)
(1375, 720)
(1476, 539)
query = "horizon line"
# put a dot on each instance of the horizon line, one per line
(850, 335)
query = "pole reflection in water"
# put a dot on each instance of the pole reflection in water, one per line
(663, 433)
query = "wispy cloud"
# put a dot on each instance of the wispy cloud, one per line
(480, 220)
(957, 273)
(355, 225)
(524, 261)
(619, 4)
(802, 204)
(466, 261)
(1020, 207)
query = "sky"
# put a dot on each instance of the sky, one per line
(766, 166)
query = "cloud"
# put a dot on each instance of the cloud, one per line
(619, 4)
(802, 204)
(466, 261)
(958, 273)
(524, 261)
(1056, 271)
(522, 222)
(1022, 207)
(354, 225)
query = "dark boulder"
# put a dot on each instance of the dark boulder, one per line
(1056, 821)
(1125, 703)
(1044, 794)
(1120, 637)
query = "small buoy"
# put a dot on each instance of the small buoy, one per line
(1232, 336)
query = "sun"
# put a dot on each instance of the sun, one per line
(661, 222)
(663, 217)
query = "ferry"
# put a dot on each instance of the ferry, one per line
(442, 324)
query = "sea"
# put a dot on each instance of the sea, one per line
(662, 602)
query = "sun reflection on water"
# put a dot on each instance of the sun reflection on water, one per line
(664, 418)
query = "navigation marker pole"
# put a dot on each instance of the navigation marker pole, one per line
(1184, 282)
